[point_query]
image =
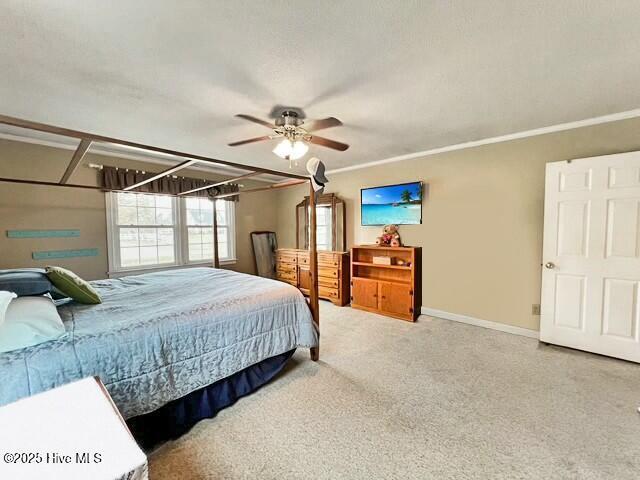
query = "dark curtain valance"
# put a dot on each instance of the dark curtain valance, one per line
(120, 178)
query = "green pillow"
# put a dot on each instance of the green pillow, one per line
(73, 286)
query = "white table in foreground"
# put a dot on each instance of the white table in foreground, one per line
(70, 432)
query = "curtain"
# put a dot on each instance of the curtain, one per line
(120, 178)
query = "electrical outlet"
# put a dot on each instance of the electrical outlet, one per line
(535, 309)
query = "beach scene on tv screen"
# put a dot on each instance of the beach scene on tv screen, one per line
(400, 204)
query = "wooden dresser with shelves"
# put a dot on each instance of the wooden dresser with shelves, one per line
(394, 290)
(292, 266)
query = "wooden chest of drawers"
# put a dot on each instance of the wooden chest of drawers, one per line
(292, 266)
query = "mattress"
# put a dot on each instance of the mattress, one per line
(159, 336)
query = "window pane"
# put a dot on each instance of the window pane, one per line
(195, 235)
(207, 251)
(127, 216)
(221, 208)
(223, 250)
(207, 217)
(129, 257)
(148, 255)
(164, 216)
(146, 216)
(145, 200)
(194, 217)
(128, 237)
(148, 237)
(195, 252)
(207, 235)
(127, 199)
(139, 246)
(223, 242)
(165, 254)
(165, 236)
(192, 203)
(162, 201)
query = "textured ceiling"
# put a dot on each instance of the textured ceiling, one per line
(403, 76)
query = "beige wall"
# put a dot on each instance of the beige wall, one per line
(25, 207)
(482, 219)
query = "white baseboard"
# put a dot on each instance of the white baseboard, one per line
(525, 332)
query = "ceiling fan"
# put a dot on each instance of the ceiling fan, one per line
(294, 137)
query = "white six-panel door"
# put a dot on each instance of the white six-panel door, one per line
(591, 255)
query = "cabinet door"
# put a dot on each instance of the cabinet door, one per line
(396, 298)
(304, 278)
(364, 292)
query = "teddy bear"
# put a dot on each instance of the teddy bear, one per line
(389, 237)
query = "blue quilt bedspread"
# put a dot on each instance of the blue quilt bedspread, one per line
(159, 336)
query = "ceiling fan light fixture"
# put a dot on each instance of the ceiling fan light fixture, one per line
(295, 138)
(298, 150)
(284, 148)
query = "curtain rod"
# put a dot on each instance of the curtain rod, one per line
(98, 166)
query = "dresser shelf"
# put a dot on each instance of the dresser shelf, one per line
(377, 265)
(395, 280)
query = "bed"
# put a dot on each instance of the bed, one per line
(180, 345)
(159, 337)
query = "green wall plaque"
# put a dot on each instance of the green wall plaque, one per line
(42, 233)
(83, 252)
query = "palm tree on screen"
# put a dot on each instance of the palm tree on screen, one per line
(406, 196)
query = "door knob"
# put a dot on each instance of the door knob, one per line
(550, 265)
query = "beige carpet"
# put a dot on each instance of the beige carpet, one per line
(435, 399)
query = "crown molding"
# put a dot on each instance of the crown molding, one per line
(499, 139)
(101, 150)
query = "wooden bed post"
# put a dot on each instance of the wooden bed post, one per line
(313, 271)
(216, 257)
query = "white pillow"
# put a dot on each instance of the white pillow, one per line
(30, 321)
(5, 299)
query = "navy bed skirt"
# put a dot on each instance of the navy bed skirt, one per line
(177, 417)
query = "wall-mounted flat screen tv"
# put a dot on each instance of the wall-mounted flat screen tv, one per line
(400, 204)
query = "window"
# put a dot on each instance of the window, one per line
(199, 225)
(200, 229)
(158, 231)
(145, 230)
(226, 229)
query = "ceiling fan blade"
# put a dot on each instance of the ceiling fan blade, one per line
(323, 123)
(256, 120)
(325, 142)
(250, 140)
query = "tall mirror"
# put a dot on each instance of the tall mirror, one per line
(330, 222)
(264, 253)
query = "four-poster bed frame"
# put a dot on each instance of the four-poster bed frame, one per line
(88, 139)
